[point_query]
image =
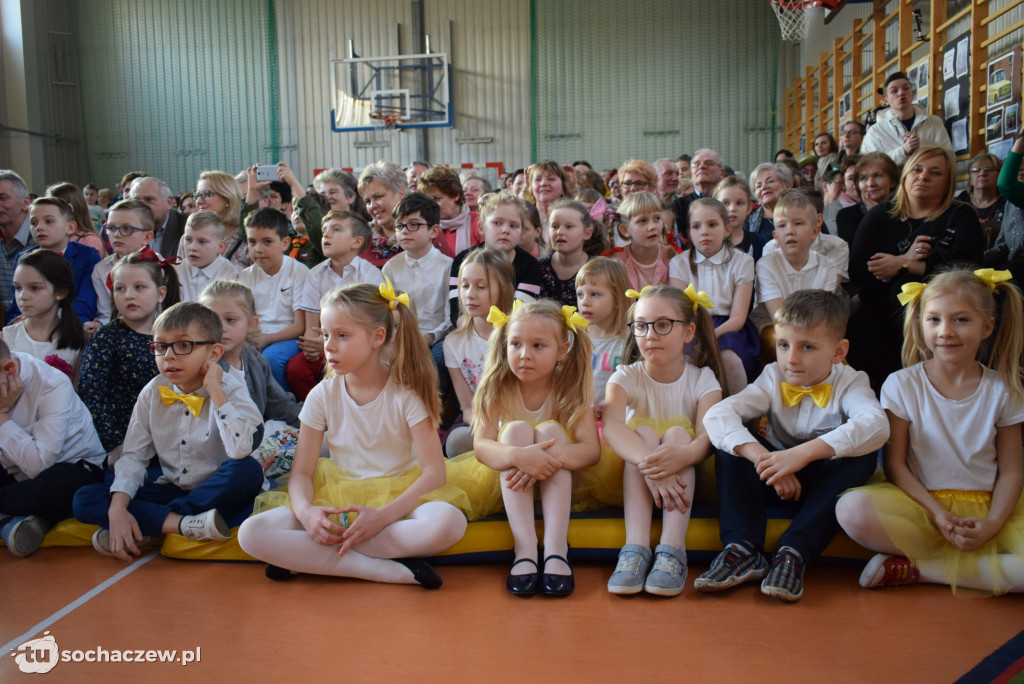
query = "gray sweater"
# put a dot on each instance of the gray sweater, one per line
(270, 398)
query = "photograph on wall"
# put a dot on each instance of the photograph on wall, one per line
(948, 71)
(994, 126)
(963, 56)
(1000, 149)
(1000, 80)
(951, 101)
(1011, 122)
(918, 77)
(922, 76)
(959, 135)
(956, 93)
(912, 77)
(802, 147)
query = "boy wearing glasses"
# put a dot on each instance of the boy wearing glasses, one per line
(130, 228)
(421, 270)
(202, 426)
(825, 426)
(346, 235)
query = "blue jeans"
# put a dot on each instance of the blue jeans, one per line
(278, 354)
(231, 490)
(743, 499)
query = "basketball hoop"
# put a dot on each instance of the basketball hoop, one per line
(386, 120)
(792, 16)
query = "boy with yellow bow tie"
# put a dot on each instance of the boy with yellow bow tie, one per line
(202, 425)
(824, 427)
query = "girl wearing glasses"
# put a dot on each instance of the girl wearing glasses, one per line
(653, 419)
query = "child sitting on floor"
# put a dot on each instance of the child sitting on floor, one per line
(202, 426)
(129, 227)
(50, 449)
(824, 429)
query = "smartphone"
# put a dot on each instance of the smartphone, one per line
(266, 172)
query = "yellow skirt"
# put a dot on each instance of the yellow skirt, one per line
(907, 524)
(471, 487)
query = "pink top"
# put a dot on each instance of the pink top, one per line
(91, 239)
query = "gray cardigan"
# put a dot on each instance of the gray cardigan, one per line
(272, 401)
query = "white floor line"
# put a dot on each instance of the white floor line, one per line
(99, 588)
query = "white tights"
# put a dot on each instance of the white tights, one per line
(638, 502)
(277, 537)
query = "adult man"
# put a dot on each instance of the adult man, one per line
(14, 230)
(707, 170)
(169, 222)
(851, 138)
(668, 180)
(904, 127)
(414, 172)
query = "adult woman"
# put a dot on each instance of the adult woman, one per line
(545, 183)
(340, 189)
(634, 175)
(218, 192)
(876, 177)
(983, 194)
(1008, 250)
(767, 181)
(824, 144)
(382, 186)
(474, 186)
(905, 240)
(187, 204)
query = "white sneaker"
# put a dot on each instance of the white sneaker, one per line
(101, 542)
(208, 526)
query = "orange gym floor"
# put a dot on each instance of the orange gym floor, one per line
(313, 629)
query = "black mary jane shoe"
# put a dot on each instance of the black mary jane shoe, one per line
(558, 585)
(422, 572)
(526, 584)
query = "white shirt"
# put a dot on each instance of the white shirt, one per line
(835, 249)
(606, 359)
(372, 440)
(777, 279)
(952, 441)
(852, 423)
(322, 279)
(194, 279)
(190, 448)
(668, 401)
(48, 425)
(275, 295)
(467, 352)
(887, 134)
(718, 275)
(104, 299)
(426, 281)
(17, 338)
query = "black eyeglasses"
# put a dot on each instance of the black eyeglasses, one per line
(662, 326)
(180, 348)
(411, 227)
(123, 231)
(203, 194)
(639, 184)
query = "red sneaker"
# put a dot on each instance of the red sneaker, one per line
(884, 570)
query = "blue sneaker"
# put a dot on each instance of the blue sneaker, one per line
(628, 578)
(668, 576)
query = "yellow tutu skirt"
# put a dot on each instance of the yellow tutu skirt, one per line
(471, 487)
(907, 524)
(705, 470)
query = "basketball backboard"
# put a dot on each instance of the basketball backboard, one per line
(415, 87)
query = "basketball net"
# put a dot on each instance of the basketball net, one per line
(792, 16)
(385, 123)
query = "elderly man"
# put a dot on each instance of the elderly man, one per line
(14, 230)
(169, 222)
(668, 180)
(707, 171)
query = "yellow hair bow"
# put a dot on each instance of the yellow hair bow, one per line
(698, 298)
(387, 291)
(573, 320)
(633, 294)
(498, 318)
(910, 292)
(991, 277)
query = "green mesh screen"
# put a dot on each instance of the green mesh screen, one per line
(174, 88)
(644, 79)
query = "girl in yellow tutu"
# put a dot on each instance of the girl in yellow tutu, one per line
(533, 421)
(378, 408)
(951, 511)
(653, 413)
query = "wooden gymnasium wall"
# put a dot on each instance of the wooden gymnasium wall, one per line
(887, 41)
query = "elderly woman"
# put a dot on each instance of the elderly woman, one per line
(218, 192)
(767, 182)
(1008, 250)
(921, 230)
(876, 177)
(983, 194)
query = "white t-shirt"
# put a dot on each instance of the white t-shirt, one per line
(663, 401)
(17, 338)
(322, 279)
(717, 275)
(952, 441)
(276, 294)
(834, 248)
(372, 440)
(467, 352)
(607, 357)
(426, 281)
(193, 279)
(777, 279)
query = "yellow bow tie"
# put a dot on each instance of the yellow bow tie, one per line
(191, 401)
(792, 394)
